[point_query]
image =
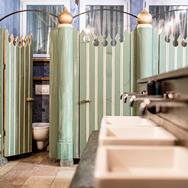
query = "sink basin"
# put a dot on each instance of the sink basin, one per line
(135, 135)
(126, 120)
(141, 167)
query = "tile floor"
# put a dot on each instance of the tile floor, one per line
(35, 171)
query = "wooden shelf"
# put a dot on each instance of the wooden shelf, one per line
(41, 60)
(41, 78)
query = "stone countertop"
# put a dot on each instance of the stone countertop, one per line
(84, 175)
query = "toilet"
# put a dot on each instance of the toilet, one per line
(41, 134)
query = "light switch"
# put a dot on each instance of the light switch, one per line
(42, 89)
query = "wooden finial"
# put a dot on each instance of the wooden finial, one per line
(65, 17)
(144, 17)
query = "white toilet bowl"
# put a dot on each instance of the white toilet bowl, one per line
(41, 134)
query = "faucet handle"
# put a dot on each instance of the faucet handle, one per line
(171, 95)
(131, 101)
(143, 107)
(121, 96)
(143, 92)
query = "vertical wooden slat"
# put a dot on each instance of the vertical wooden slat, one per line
(113, 81)
(118, 80)
(87, 89)
(155, 53)
(104, 62)
(76, 127)
(180, 54)
(30, 93)
(91, 86)
(82, 92)
(96, 87)
(171, 54)
(18, 98)
(4, 89)
(11, 100)
(14, 62)
(22, 114)
(24, 98)
(128, 61)
(26, 93)
(163, 60)
(1, 89)
(6, 94)
(101, 81)
(121, 55)
(107, 61)
(53, 95)
(184, 56)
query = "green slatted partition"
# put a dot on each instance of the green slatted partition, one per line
(18, 95)
(171, 57)
(105, 72)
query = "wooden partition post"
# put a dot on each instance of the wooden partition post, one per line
(65, 91)
(144, 45)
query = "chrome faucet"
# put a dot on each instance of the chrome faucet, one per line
(169, 100)
(127, 95)
(134, 98)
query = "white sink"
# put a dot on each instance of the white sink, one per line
(141, 167)
(135, 135)
(126, 121)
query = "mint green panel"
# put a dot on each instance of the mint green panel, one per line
(144, 50)
(53, 95)
(18, 87)
(1, 88)
(133, 62)
(82, 92)
(15, 98)
(65, 93)
(127, 69)
(22, 114)
(29, 62)
(171, 55)
(162, 53)
(180, 59)
(155, 53)
(116, 56)
(108, 77)
(92, 88)
(104, 75)
(134, 57)
(10, 118)
(7, 100)
(76, 94)
(100, 84)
